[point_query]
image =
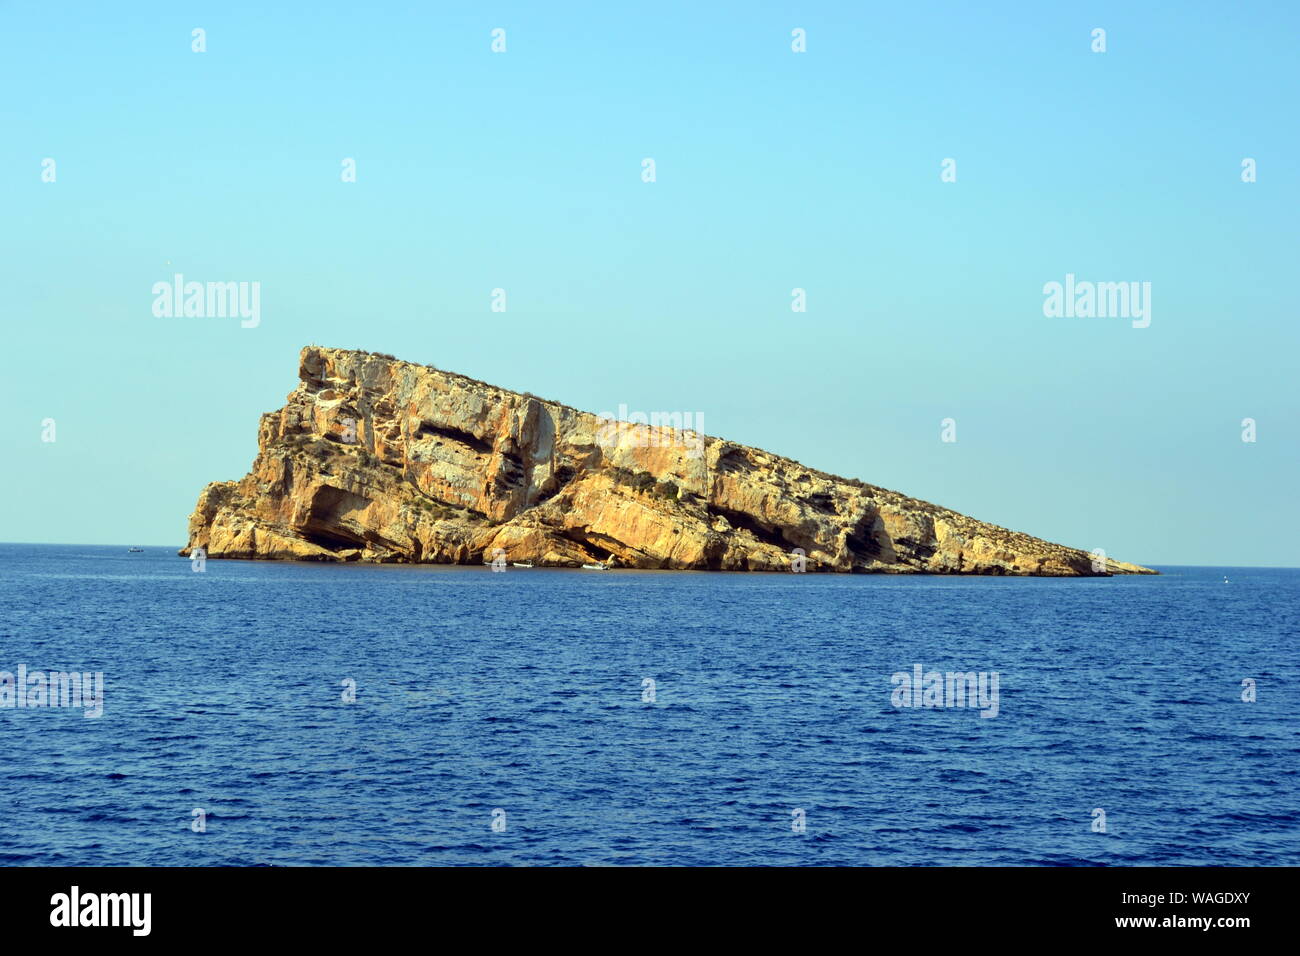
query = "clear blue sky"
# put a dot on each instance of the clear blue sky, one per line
(775, 170)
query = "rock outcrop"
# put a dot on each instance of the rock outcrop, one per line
(375, 459)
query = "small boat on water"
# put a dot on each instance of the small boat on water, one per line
(596, 567)
(135, 550)
(522, 564)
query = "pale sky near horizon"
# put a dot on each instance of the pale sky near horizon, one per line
(775, 170)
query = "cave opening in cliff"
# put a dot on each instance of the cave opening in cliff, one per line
(332, 539)
(597, 551)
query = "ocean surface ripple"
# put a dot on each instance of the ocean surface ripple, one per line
(522, 692)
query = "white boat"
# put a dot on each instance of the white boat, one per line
(595, 567)
(522, 564)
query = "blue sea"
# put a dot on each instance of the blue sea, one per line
(544, 717)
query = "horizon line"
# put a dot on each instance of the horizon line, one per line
(80, 544)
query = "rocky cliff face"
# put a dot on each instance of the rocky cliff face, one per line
(374, 459)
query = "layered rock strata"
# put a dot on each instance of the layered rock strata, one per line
(376, 459)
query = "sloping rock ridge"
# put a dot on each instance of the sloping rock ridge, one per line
(375, 459)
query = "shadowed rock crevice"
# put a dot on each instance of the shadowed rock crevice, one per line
(435, 467)
(766, 534)
(473, 442)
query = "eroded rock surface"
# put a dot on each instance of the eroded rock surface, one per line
(375, 459)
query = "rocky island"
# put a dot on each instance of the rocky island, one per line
(380, 460)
